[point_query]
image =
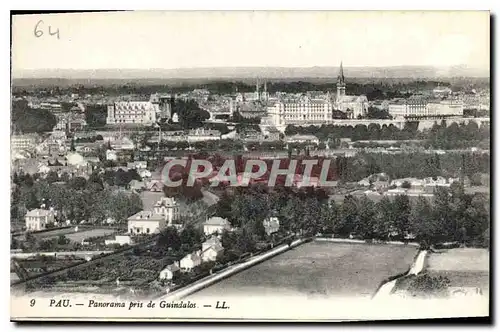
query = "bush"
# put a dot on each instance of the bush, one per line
(425, 285)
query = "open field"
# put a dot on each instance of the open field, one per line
(319, 269)
(465, 267)
(459, 259)
(97, 232)
(54, 233)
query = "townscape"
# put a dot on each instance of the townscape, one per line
(406, 212)
(88, 200)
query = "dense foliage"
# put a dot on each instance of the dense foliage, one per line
(77, 199)
(453, 216)
(439, 136)
(189, 113)
(95, 115)
(28, 120)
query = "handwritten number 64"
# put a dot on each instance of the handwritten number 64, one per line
(39, 32)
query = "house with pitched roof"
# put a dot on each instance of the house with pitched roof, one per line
(37, 219)
(216, 225)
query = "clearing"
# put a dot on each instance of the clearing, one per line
(465, 267)
(322, 269)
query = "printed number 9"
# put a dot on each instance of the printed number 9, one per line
(32, 303)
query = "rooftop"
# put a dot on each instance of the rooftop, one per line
(38, 213)
(217, 221)
(146, 216)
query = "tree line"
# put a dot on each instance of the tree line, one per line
(453, 215)
(77, 199)
(29, 120)
(439, 136)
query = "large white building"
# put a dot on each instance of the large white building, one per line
(24, 142)
(165, 212)
(316, 111)
(303, 110)
(146, 222)
(37, 219)
(135, 112)
(140, 112)
(423, 107)
(216, 225)
(169, 208)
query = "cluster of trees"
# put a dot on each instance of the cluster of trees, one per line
(28, 120)
(95, 115)
(88, 139)
(359, 132)
(210, 145)
(352, 169)
(457, 136)
(190, 114)
(415, 164)
(78, 199)
(266, 146)
(439, 136)
(184, 192)
(119, 177)
(238, 118)
(188, 239)
(374, 88)
(453, 216)
(475, 113)
(376, 113)
(33, 244)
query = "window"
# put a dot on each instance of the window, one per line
(147, 230)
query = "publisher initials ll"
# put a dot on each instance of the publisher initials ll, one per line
(221, 306)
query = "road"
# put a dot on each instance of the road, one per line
(218, 276)
(385, 291)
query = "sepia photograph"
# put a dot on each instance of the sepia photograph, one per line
(250, 166)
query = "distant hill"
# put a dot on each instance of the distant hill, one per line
(271, 73)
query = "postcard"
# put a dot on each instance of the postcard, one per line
(250, 166)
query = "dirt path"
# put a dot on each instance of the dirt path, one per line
(385, 290)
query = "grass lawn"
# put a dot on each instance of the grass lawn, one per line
(79, 236)
(319, 269)
(459, 259)
(465, 267)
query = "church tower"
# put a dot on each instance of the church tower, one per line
(257, 92)
(340, 83)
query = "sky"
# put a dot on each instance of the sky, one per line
(141, 40)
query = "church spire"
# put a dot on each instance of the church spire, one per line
(340, 83)
(341, 79)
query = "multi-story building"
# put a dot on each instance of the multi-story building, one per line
(299, 111)
(306, 110)
(202, 134)
(133, 112)
(169, 208)
(216, 225)
(165, 213)
(146, 222)
(446, 107)
(417, 106)
(24, 142)
(37, 219)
